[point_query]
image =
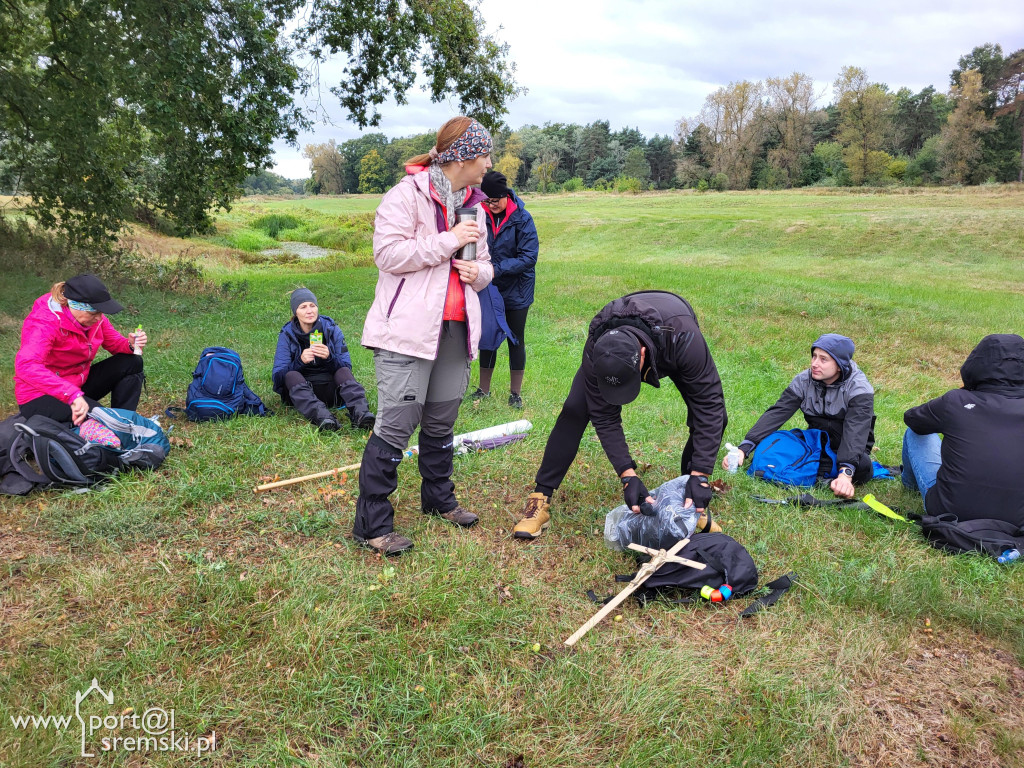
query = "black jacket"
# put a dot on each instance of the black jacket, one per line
(667, 327)
(982, 426)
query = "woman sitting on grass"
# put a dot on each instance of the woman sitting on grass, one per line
(53, 371)
(313, 370)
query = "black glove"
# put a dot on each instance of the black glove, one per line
(698, 488)
(635, 493)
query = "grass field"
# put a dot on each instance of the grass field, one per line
(257, 618)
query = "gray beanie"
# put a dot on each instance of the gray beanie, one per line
(301, 296)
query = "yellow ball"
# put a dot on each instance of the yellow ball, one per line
(536, 647)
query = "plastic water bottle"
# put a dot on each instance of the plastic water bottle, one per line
(732, 458)
(1009, 556)
(138, 350)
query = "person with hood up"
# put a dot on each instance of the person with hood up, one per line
(640, 338)
(313, 369)
(424, 327)
(834, 396)
(512, 241)
(974, 470)
(54, 373)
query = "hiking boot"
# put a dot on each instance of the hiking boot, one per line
(362, 419)
(515, 401)
(329, 424)
(459, 516)
(535, 517)
(479, 394)
(389, 544)
(706, 525)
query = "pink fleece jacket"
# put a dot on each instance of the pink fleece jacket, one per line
(414, 260)
(57, 351)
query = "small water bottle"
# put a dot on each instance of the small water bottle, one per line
(137, 349)
(732, 458)
(468, 251)
(1009, 556)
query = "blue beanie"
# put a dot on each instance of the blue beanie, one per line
(301, 296)
(839, 348)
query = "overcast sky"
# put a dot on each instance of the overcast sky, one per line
(646, 63)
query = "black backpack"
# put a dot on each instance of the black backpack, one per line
(11, 481)
(727, 561)
(46, 453)
(949, 533)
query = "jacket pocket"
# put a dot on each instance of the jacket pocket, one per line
(391, 306)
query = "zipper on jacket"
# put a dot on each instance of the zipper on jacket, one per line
(391, 306)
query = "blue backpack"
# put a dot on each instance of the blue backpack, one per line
(218, 389)
(138, 435)
(792, 457)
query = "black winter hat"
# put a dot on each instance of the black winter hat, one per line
(90, 290)
(495, 185)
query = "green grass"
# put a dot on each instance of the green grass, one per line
(257, 617)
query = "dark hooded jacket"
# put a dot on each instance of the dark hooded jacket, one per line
(982, 426)
(667, 327)
(845, 409)
(291, 341)
(512, 239)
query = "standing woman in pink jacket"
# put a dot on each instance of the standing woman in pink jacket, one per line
(53, 371)
(424, 327)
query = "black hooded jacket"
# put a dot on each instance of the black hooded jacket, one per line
(982, 426)
(667, 327)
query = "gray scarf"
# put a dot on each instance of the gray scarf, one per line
(452, 198)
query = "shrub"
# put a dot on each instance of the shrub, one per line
(702, 185)
(602, 185)
(719, 182)
(629, 185)
(575, 184)
(273, 223)
(897, 169)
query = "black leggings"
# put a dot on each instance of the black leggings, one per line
(120, 376)
(516, 319)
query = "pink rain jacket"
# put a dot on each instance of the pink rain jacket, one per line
(414, 260)
(57, 351)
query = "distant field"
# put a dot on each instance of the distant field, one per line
(257, 616)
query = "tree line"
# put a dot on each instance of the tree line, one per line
(770, 134)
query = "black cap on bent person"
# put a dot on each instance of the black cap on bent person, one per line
(90, 290)
(616, 359)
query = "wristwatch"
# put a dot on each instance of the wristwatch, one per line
(846, 471)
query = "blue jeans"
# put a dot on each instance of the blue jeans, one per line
(922, 457)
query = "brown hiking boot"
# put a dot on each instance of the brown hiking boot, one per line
(389, 544)
(706, 525)
(536, 517)
(460, 516)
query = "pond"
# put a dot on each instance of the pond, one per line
(302, 250)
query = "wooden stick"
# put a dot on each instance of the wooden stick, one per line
(668, 558)
(646, 571)
(293, 480)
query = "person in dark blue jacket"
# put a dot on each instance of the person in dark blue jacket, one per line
(313, 370)
(512, 240)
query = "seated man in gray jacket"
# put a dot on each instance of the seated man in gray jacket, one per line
(835, 397)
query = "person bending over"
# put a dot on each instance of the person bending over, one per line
(640, 338)
(834, 396)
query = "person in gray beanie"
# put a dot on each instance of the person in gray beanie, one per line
(834, 396)
(313, 369)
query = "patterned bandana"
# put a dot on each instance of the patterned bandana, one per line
(475, 142)
(81, 306)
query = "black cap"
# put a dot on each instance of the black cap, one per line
(90, 290)
(494, 185)
(616, 359)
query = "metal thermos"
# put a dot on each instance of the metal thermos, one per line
(468, 251)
